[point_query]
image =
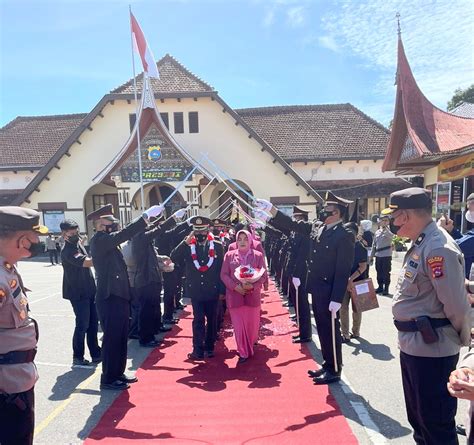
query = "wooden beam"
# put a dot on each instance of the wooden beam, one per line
(129, 101)
(112, 102)
(47, 178)
(89, 128)
(195, 99)
(179, 99)
(57, 166)
(68, 154)
(162, 101)
(101, 115)
(78, 142)
(250, 136)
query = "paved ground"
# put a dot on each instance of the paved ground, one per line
(69, 403)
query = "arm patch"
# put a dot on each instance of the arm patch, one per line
(435, 263)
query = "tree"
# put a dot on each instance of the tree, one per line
(460, 95)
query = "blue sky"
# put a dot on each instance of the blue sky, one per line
(60, 57)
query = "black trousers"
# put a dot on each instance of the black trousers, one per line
(322, 317)
(304, 312)
(17, 420)
(114, 313)
(150, 311)
(430, 408)
(204, 325)
(87, 325)
(53, 256)
(383, 266)
(170, 289)
(134, 313)
(179, 286)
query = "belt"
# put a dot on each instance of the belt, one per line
(410, 326)
(383, 248)
(16, 357)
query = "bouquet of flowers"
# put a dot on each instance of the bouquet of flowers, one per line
(248, 274)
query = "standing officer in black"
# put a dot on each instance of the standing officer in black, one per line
(79, 288)
(19, 230)
(113, 290)
(329, 267)
(202, 266)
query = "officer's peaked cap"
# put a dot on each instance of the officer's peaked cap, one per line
(410, 198)
(21, 218)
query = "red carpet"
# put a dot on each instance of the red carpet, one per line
(267, 400)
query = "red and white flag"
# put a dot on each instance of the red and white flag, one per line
(142, 48)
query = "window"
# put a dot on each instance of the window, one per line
(178, 122)
(193, 122)
(166, 120)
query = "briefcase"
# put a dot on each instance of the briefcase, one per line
(363, 296)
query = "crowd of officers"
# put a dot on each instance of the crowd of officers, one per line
(322, 258)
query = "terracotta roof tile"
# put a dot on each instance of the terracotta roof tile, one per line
(32, 140)
(174, 78)
(318, 132)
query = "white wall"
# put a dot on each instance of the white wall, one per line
(16, 181)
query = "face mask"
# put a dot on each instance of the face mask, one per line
(470, 216)
(324, 215)
(112, 228)
(216, 232)
(394, 228)
(201, 237)
(73, 239)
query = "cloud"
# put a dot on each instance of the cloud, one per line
(435, 35)
(269, 18)
(328, 42)
(295, 16)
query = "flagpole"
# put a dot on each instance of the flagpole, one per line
(137, 122)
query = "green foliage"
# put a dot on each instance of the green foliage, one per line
(399, 243)
(460, 95)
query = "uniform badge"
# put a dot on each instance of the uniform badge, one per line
(13, 283)
(23, 301)
(420, 239)
(415, 256)
(436, 265)
(413, 264)
(408, 274)
(199, 221)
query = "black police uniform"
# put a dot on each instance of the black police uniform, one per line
(329, 266)
(113, 297)
(204, 289)
(79, 288)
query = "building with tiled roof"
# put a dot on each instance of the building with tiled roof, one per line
(289, 152)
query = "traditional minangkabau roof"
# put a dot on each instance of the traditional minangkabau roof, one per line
(29, 142)
(464, 109)
(318, 132)
(174, 78)
(421, 132)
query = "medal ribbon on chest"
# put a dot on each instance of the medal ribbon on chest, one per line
(211, 254)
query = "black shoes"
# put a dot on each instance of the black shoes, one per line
(346, 339)
(170, 320)
(301, 340)
(242, 359)
(194, 356)
(317, 373)
(96, 360)
(151, 344)
(128, 378)
(82, 362)
(379, 290)
(385, 292)
(133, 337)
(164, 329)
(209, 354)
(118, 385)
(326, 377)
(181, 306)
(461, 430)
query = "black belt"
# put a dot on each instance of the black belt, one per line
(16, 357)
(411, 326)
(383, 248)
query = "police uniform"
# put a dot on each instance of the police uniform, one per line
(203, 286)
(113, 296)
(329, 266)
(382, 250)
(18, 340)
(79, 288)
(431, 313)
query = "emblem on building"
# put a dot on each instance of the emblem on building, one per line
(154, 153)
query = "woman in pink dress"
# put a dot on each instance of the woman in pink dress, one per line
(243, 300)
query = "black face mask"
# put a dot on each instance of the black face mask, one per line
(394, 228)
(216, 232)
(201, 237)
(112, 228)
(324, 215)
(73, 239)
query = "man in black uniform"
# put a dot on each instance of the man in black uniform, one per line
(201, 257)
(113, 290)
(79, 288)
(19, 230)
(329, 267)
(297, 270)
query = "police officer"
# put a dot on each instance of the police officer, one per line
(382, 250)
(431, 313)
(202, 256)
(113, 290)
(79, 288)
(19, 230)
(329, 267)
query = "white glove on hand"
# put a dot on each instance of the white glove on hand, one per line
(262, 215)
(296, 282)
(154, 211)
(264, 205)
(334, 307)
(179, 214)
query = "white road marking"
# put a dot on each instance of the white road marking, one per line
(62, 365)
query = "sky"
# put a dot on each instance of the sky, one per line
(61, 57)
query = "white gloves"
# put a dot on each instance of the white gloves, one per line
(296, 282)
(264, 205)
(261, 215)
(334, 307)
(179, 214)
(154, 211)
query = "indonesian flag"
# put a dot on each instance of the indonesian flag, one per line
(142, 48)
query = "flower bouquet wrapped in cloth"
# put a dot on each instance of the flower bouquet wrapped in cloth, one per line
(248, 274)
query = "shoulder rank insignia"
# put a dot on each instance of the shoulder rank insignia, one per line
(420, 239)
(13, 283)
(436, 265)
(8, 266)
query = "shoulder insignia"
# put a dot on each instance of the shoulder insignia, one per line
(436, 265)
(23, 301)
(408, 274)
(420, 239)
(415, 256)
(7, 266)
(13, 283)
(413, 264)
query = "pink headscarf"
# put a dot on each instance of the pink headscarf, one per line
(244, 254)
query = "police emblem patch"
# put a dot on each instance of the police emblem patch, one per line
(436, 265)
(199, 221)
